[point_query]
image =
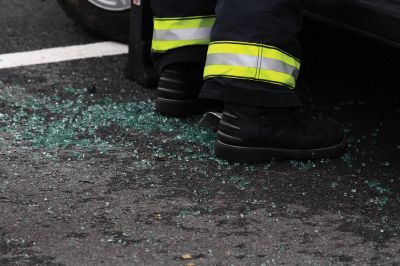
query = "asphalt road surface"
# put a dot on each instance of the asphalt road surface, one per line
(90, 175)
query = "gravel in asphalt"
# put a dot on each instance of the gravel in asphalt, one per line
(89, 174)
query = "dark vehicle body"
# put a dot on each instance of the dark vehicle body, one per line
(378, 19)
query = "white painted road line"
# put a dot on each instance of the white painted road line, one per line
(61, 54)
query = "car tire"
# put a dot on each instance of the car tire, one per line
(113, 25)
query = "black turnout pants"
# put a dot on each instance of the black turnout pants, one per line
(249, 48)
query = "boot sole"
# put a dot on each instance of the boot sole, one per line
(178, 108)
(240, 154)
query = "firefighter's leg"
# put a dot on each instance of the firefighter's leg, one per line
(254, 56)
(252, 65)
(180, 39)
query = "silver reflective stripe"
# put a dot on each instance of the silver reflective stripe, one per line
(182, 34)
(252, 62)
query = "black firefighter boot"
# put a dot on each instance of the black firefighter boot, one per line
(250, 134)
(178, 91)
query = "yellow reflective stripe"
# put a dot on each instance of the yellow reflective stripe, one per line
(183, 23)
(162, 46)
(278, 77)
(241, 72)
(251, 61)
(171, 33)
(252, 49)
(222, 70)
